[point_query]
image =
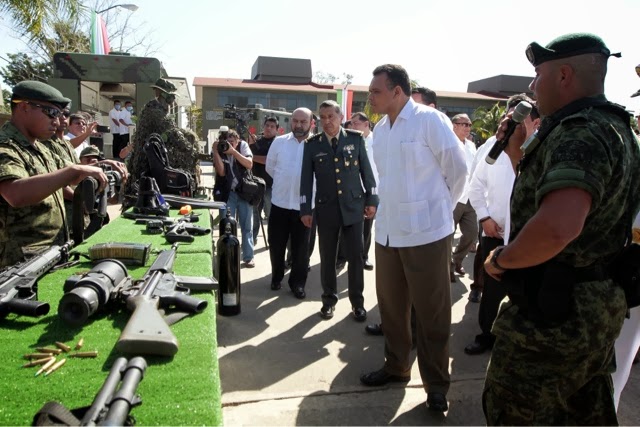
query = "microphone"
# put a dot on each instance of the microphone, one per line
(523, 109)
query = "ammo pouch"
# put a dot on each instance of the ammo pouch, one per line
(625, 270)
(544, 293)
(170, 180)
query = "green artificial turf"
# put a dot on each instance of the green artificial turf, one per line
(179, 390)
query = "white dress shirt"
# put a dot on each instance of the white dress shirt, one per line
(469, 154)
(368, 140)
(114, 115)
(284, 164)
(422, 169)
(84, 144)
(481, 154)
(490, 191)
(126, 116)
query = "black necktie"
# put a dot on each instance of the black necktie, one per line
(334, 144)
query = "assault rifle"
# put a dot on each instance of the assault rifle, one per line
(109, 407)
(147, 331)
(19, 283)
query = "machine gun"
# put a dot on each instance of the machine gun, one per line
(241, 117)
(19, 283)
(109, 407)
(87, 200)
(147, 331)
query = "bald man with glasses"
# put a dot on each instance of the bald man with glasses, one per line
(31, 202)
(463, 214)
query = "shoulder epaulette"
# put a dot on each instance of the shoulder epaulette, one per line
(353, 131)
(315, 137)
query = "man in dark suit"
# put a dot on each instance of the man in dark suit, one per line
(338, 160)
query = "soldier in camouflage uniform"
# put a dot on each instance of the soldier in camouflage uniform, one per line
(31, 208)
(154, 119)
(570, 212)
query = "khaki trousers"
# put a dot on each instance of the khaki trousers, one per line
(417, 276)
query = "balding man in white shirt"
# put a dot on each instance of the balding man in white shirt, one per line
(284, 164)
(422, 172)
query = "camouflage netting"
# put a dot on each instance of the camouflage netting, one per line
(182, 151)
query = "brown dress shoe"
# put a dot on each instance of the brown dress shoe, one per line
(459, 269)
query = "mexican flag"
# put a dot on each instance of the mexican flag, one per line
(99, 37)
(345, 99)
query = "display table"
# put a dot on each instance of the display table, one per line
(179, 390)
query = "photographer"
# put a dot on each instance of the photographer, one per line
(260, 148)
(231, 157)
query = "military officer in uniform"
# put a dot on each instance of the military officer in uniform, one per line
(338, 160)
(572, 205)
(32, 214)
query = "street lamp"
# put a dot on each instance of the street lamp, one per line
(131, 7)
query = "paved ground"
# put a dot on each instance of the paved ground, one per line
(281, 364)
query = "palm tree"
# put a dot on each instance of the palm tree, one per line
(33, 17)
(485, 122)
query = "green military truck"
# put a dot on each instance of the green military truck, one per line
(93, 82)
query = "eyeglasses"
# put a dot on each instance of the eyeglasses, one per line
(52, 112)
(467, 125)
(78, 123)
(66, 114)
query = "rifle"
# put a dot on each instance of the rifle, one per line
(19, 283)
(147, 331)
(87, 200)
(109, 407)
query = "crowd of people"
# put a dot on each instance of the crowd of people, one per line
(546, 219)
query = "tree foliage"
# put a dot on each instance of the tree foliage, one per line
(34, 17)
(23, 67)
(485, 121)
(194, 116)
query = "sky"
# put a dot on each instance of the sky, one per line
(442, 44)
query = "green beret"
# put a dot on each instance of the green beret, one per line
(91, 150)
(164, 85)
(31, 90)
(567, 46)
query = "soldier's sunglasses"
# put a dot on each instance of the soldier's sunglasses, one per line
(52, 112)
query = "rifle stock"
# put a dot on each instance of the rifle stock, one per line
(146, 332)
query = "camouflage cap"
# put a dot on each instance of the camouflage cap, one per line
(566, 46)
(164, 85)
(91, 150)
(32, 90)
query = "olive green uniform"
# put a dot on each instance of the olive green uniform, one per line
(546, 370)
(64, 156)
(339, 205)
(28, 229)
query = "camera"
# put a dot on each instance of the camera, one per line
(223, 144)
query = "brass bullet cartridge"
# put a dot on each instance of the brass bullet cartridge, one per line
(62, 346)
(84, 354)
(37, 362)
(49, 350)
(55, 367)
(46, 366)
(80, 344)
(37, 356)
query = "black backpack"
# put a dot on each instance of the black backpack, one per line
(170, 180)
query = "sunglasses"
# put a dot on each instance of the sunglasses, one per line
(467, 125)
(52, 112)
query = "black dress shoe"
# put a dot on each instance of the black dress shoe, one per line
(476, 348)
(298, 292)
(340, 265)
(475, 295)
(452, 277)
(374, 329)
(276, 286)
(381, 377)
(459, 269)
(327, 311)
(367, 265)
(360, 314)
(437, 402)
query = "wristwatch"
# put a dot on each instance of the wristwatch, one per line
(484, 219)
(494, 258)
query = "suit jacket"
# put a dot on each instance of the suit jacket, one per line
(340, 176)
